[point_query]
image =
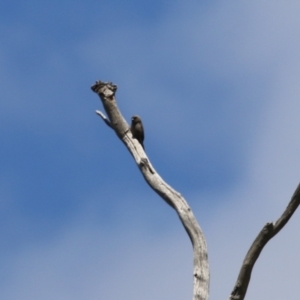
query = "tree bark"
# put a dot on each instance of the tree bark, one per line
(106, 92)
(268, 232)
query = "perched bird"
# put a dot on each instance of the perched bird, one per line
(137, 129)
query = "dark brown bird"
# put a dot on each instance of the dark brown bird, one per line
(137, 129)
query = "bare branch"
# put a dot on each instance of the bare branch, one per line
(106, 92)
(99, 113)
(268, 232)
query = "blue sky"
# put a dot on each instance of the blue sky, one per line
(217, 87)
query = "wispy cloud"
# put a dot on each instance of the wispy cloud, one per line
(217, 87)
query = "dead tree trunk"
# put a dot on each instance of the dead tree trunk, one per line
(106, 92)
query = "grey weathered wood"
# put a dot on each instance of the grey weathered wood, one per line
(268, 232)
(106, 92)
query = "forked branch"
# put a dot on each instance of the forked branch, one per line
(268, 231)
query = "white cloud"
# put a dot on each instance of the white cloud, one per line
(257, 39)
(85, 263)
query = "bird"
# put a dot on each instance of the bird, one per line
(137, 129)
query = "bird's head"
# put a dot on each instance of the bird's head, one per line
(135, 119)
